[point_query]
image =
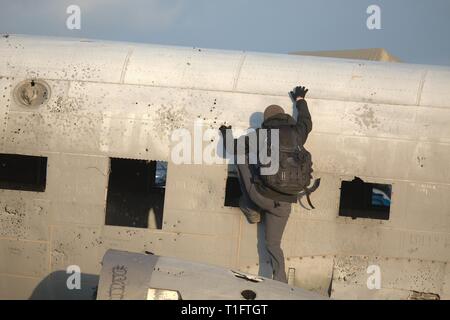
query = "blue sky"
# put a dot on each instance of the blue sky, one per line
(417, 31)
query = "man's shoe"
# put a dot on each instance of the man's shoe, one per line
(252, 216)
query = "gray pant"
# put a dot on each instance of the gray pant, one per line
(276, 215)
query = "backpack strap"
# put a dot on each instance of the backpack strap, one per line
(307, 191)
(309, 201)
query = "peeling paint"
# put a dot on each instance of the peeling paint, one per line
(168, 118)
(365, 117)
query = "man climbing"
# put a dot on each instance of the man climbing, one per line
(273, 194)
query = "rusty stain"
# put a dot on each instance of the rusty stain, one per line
(365, 117)
(168, 119)
(420, 161)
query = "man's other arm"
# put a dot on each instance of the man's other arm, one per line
(230, 145)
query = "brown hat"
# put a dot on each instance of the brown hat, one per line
(272, 110)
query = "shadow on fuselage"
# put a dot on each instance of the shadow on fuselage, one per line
(54, 287)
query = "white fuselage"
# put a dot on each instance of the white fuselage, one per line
(382, 122)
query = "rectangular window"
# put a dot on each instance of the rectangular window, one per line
(360, 199)
(232, 190)
(25, 173)
(136, 192)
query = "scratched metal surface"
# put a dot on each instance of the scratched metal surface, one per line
(128, 276)
(385, 123)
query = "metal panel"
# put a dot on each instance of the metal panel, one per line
(183, 67)
(332, 78)
(78, 179)
(360, 156)
(446, 283)
(201, 222)
(23, 217)
(208, 194)
(435, 88)
(426, 207)
(5, 103)
(146, 271)
(17, 288)
(430, 163)
(217, 250)
(34, 57)
(24, 258)
(432, 124)
(396, 274)
(223, 70)
(349, 291)
(76, 245)
(313, 273)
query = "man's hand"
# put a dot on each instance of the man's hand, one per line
(223, 128)
(299, 93)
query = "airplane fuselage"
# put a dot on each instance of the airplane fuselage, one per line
(96, 108)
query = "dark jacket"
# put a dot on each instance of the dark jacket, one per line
(303, 126)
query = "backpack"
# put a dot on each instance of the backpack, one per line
(295, 163)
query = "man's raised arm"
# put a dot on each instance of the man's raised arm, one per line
(304, 122)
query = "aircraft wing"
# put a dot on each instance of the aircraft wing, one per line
(127, 275)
